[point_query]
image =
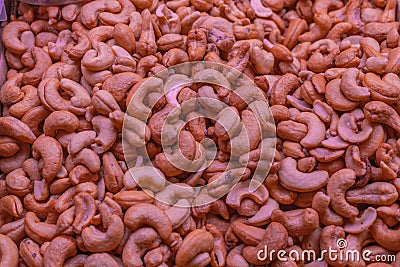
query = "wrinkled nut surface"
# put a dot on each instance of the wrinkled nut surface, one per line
(86, 78)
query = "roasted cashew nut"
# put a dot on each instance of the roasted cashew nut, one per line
(97, 241)
(337, 186)
(9, 252)
(298, 181)
(147, 214)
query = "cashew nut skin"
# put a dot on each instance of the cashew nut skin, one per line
(11, 34)
(337, 186)
(51, 151)
(298, 181)
(59, 249)
(384, 236)
(15, 128)
(148, 214)
(9, 252)
(196, 242)
(97, 241)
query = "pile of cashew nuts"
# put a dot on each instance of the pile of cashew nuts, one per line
(329, 70)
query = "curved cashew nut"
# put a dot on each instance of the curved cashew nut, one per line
(250, 235)
(80, 141)
(51, 98)
(336, 99)
(381, 90)
(112, 18)
(298, 181)
(139, 242)
(298, 222)
(135, 131)
(50, 150)
(384, 236)
(97, 241)
(194, 244)
(11, 35)
(327, 216)
(346, 129)
(148, 177)
(9, 252)
(282, 87)
(30, 100)
(316, 129)
(30, 253)
(85, 209)
(377, 111)
(98, 59)
(61, 70)
(95, 77)
(59, 249)
(241, 191)
(60, 120)
(42, 63)
(10, 92)
(174, 192)
(178, 214)
(136, 108)
(15, 128)
(39, 231)
(91, 11)
(147, 214)
(118, 84)
(260, 9)
(337, 186)
(106, 134)
(86, 157)
(350, 88)
(264, 213)
(83, 45)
